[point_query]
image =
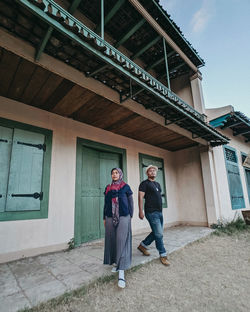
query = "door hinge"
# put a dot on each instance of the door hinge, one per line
(34, 195)
(39, 146)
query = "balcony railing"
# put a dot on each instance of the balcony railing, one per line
(60, 18)
(64, 22)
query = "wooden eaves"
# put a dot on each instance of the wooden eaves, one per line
(155, 95)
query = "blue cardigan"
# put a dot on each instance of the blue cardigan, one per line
(125, 204)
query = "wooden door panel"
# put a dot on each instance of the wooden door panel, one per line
(108, 161)
(25, 177)
(5, 152)
(95, 175)
(90, 219)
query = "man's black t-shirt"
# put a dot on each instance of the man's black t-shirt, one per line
(153, 200)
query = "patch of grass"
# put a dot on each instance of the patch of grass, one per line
(230, 228)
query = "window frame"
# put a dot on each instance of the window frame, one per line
(228, 180)
(149, 157)
(43, 212)
(245, 172)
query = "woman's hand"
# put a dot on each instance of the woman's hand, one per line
(141, 214)
(104, 222)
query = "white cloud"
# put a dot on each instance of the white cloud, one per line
(201, 18)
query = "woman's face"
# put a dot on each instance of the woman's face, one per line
(115, 175)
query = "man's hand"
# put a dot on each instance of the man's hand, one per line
(104, 222)
(140, 202)
(141, 215)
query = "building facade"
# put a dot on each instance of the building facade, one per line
(87, 86)
(231, 169)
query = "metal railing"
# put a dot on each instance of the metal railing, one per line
(66, 22)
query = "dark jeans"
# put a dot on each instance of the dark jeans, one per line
(155, 220)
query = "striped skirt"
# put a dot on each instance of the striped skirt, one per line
(118, 243)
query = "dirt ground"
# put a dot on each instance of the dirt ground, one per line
(210, 275)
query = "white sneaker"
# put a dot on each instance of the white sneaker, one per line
(114, 270)
(121, 283)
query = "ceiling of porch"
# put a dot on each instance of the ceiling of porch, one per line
(33, 85)
(83, 52)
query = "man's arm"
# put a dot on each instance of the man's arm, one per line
(140, 202)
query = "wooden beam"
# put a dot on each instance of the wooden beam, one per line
(152, 65)
(119, 43)
(175, 121)
(130, 33)
(74, 5)
(43, 43)
(177, 67)
(139, 7)
(241, 132)
(145, 48)
(111, 13)
(166, 62)
(172, 69)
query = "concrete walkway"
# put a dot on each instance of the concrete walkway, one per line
(28, 282)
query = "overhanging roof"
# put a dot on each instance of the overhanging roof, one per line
(80, 47)
(236, 121)
(165, 21)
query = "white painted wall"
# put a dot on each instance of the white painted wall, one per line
(225, 207)
(190, 197)
(182, 87)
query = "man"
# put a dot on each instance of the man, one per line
(150, 190)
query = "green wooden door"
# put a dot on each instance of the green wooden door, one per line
(108, 161)
(247, 172)
(5, 151)
(95, 168)
(146, 160)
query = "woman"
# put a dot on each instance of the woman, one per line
(118, 211)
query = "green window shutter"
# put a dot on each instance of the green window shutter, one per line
(5, 151)
(25, 177)
(146, 160)
(247, 174)
(234, 180)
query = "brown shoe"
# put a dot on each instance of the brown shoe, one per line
(164, 260)
(143, 250)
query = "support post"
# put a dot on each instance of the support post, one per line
(166, 62)
(43, 43)
(197, 93)
(210, 185)
(102, 19)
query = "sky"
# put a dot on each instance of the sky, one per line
(220, 32)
